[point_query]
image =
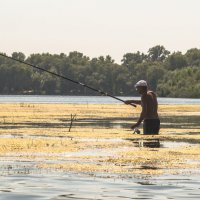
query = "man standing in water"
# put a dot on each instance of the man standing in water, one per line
(149, 114)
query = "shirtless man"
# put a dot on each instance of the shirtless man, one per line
(149, 114)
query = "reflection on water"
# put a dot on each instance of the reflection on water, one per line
(157, 143)
(149, 143)
(59, 186)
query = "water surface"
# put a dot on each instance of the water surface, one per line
(58, 186)
(22, 179)
(85, 99)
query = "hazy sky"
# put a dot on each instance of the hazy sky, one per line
(98, 27)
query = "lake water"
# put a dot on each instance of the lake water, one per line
(21, 179)
(85, 99)
(59, 186)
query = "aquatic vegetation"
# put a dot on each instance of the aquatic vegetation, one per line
(100, 139)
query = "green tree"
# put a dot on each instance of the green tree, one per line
(180, 83)
(158, 53)
(18, 55)
(176, 61)
(193, 57)
(154, 74)
(174, 75)
(132, 59)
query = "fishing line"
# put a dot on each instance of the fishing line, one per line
(66, 78)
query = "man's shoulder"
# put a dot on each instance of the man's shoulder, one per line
(150, 92)
(144, 97)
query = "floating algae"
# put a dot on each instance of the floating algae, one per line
(39, 134)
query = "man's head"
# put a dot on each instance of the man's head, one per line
(141, 86)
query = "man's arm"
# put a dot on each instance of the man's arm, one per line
(133, 101)
(143, 113)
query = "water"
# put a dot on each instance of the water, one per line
(59, 186)
(22, 179)
(85, 99)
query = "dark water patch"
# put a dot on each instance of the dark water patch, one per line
(22, 168)
(7, 190)
(32, 125)
(113, 122)
(157, 143)
(96, 124)
(108, 122)
(183, 141)
(145, 183)
(60, 138)
(14, 167)
(189, 122)
(93, 122)
(150, 143)
(149, 167)
(36, 136)
(182, 122)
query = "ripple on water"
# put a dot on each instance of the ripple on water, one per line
(79, 186)
(21, 179)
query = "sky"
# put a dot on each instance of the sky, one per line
(98, 27)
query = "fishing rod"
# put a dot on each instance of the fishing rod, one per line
(66, 78)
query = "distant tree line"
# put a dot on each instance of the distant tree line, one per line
(169, 74)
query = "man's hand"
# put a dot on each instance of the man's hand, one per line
(128, 101)
(134, 126)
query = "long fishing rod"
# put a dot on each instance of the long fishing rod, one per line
(66, 78)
